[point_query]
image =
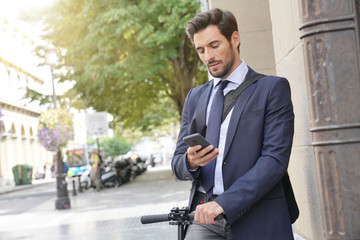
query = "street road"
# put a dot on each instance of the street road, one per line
(21, 201)
(113, 213)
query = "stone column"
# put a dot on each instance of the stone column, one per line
(330, 36)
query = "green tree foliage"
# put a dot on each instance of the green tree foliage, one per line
(113, 146)
(129, 58)
(33, 95)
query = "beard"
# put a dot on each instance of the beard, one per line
(230, 59)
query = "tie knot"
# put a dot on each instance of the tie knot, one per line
(223, 84)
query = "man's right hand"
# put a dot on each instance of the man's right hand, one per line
(198, 158)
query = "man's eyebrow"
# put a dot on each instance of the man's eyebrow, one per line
(209, 44)
(212, 42)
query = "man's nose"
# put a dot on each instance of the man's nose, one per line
(209, 55)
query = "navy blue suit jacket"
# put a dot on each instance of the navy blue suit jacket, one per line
(257, 152)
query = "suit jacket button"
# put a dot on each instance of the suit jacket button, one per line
(224, 163)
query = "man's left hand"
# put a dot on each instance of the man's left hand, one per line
(207, 212)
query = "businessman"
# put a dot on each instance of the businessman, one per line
(248, 120)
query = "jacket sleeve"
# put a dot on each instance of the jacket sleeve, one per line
(179, 162)
(278, 130)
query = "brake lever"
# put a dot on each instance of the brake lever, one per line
(220, 217)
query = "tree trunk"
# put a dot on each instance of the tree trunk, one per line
(185, 67)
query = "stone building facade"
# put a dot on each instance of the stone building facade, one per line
(18, 70)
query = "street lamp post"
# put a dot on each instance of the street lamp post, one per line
(53, 87)
(62, 201)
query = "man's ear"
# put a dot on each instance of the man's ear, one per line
(235, 39)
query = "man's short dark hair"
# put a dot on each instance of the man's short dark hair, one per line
(224, 20)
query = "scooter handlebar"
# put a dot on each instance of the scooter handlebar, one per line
(168, 217)
(155, 218)
(162, 218)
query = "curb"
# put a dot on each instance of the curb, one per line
(10, 189)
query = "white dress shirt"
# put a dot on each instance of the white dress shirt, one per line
(235, 79)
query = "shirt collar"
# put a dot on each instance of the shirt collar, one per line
(237, 76)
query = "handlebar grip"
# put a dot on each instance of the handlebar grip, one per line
(154, 218)
(219, 217)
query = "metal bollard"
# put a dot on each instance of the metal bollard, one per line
(80, 187)
(74, 188)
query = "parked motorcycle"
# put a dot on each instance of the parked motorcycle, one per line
(124, 169)
(110, 177)
(137, 166)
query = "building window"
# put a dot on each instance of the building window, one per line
(13, 131)
(31, 135)
(23, 135)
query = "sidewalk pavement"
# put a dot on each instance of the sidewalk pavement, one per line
(34, 183)
(112, 213)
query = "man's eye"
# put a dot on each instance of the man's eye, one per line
(215, 46)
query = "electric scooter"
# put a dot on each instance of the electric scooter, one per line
(180, 217)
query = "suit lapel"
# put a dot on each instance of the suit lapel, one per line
(237, 112)
(200, 114)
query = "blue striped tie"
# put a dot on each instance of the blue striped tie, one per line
(212, 135)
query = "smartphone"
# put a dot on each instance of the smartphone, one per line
(196, 139)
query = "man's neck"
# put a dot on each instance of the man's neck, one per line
(236, 64)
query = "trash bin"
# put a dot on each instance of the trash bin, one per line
(22, 174)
